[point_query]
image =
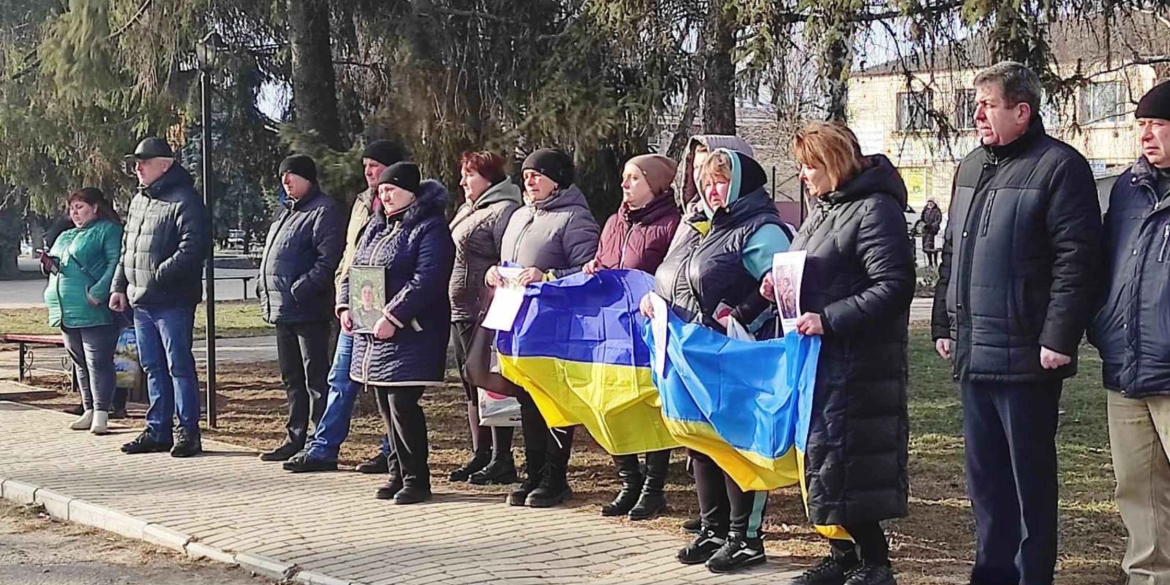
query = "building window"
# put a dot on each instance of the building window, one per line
(965, 109)
(914, 111)
(1102, 102)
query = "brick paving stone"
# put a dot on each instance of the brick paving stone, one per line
(240, 504)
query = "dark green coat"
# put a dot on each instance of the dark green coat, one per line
(88, 256)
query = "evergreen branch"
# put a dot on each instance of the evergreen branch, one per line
(134, 19)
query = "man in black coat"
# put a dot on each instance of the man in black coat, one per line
(301, 255)
(1017, 286)
(1133, 337)
(160, 274)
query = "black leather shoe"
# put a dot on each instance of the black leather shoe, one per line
(829, 571)
(736, 554)
(496, 473)
(547, 496)
(374, 465)
(693, 526)
(119, 414)
(144, 443)
(389, 489)
(300, 463)
(281, 453)
(478, 462)
(519, 496)
(74, 410)
(649, 505)
(705, 544)
(412, 495)
(186, 444)
(871, 575)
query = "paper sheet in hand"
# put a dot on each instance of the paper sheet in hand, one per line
(787, 274)
(505, 306)
(658, 330)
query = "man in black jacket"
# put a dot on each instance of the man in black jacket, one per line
(164, 245)
(1132, 335)
(1017, 286)
(301, 254)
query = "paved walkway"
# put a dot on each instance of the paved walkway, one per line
(324, 528)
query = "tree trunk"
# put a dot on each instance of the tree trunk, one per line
(682, 132)
(718, 70)
(314, 80)
(836, 66)
(11, 229)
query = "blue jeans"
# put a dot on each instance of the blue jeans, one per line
(164, 347)
(334, 426)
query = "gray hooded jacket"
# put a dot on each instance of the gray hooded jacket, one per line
(478, 231)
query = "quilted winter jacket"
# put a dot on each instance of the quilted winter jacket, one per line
(639, 239)
(416, 252)
(300, 258)
(88, 256)
(1132, 330)
(164, 244)
(1021, 262)
(557, 235)
(859, 276)
(478, 231)
(359, 218)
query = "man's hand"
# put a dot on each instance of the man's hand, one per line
(529, 276)
(810, 324)
(346, 321)
(768, 288)
(384, 329)
(943, 346)
(118, 302)
(492, 278)
(647, 306)
(1050, 360)
(592, 267)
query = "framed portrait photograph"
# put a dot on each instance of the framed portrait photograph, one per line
(787, 273)
(367, 296)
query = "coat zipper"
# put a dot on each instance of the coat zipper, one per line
(369, 346)
(987, 212)
(1165, 240)
(520, 236)
(267, 259)
(625, 240)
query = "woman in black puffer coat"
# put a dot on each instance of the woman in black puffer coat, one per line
(407, 348)
(856, 292)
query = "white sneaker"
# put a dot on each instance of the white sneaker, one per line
(100, 418)
(83, 423)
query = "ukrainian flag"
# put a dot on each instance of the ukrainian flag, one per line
(577, 348)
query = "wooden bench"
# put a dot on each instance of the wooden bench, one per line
(25, 343)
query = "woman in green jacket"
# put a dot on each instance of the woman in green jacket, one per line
(80, 267)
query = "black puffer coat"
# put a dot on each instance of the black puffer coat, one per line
(1132, 330)
(416, 251)
(859, 276)
(1021, 263)
(164, 245)
(301, 254)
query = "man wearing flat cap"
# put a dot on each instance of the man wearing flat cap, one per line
(160, 275)
(1132, 333)
(301, 255)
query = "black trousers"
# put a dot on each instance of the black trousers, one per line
(869, 543)
(546, 450)
(406, 428)
(722, 505)
(303, 351)
(1010, 432)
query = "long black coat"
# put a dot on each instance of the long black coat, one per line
(300, 258)
(416, 251)
(859, 276)
(165, 242)
(1021, 264)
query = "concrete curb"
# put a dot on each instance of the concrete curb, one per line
(78, 511)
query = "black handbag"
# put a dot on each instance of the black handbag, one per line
(482, 368)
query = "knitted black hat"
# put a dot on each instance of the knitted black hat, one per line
(301, 166)
(386, 152)
(403, 175)
(1156, 103)
(553, 164)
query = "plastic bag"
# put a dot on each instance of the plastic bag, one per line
(497, 410)
(127, 371)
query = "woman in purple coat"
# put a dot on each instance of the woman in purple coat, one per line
(637, 237)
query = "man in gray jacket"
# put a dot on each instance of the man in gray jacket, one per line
(165, 242)
(1017, 286)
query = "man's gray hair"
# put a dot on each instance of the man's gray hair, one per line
(1019, 84)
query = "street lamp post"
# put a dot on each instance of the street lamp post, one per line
(207, 52)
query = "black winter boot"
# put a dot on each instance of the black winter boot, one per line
(630, 474)
(479, 461)
(554, 488)
(653, 499)
(501, 471)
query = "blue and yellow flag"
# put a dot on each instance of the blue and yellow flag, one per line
(576, 347)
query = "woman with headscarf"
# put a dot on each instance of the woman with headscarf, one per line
(711, 274)
(552, 236)
(406, 350)
(637, 237)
